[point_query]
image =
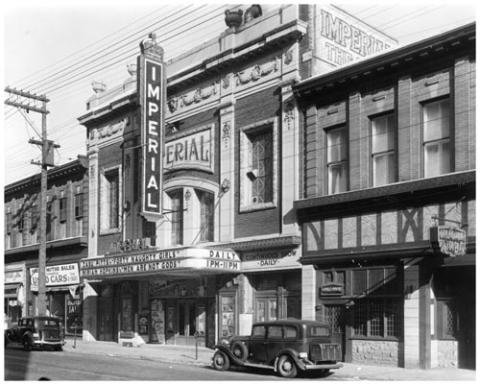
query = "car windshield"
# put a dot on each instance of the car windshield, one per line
(42, 322)
(318, 331)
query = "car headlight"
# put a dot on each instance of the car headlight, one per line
(225, 342)
(303, 355)
(36, 335)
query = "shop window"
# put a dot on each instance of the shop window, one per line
(176, 199)
(383, 149)
(207, 215)
(227, 315)
(377, 318)
(447, 319)
(110, 200)
(436, 138)
(337, 160)
(258, 166)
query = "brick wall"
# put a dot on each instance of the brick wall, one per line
(249, 110)
(403, 95)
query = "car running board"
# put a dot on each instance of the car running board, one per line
(259, 366)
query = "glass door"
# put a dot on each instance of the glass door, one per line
(266, 309)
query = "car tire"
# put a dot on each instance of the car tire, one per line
(239, 350)
(286, 366)
(27, 343)
(221, 361)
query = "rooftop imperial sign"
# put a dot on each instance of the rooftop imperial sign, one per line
(151, 79)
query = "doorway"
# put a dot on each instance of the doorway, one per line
(335, 317)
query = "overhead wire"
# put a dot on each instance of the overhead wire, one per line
(88, 47)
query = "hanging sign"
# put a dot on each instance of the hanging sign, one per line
(151, 79)
(450, 240)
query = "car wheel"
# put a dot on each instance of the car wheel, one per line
(221, 361)
(286, 367)
(239, 350)
(27, 344)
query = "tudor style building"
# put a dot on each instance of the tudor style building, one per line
(220, 249)
(66, 234)
(388, 203)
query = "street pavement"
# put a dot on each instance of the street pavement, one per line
(188, 355)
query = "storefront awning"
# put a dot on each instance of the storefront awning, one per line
(11, 290)
(463, 260)
(188, 260)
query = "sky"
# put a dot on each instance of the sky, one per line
(58, 49)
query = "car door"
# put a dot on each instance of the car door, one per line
(274, 342)
(256, 348)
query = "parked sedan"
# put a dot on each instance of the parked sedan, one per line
(36, 332)
(285, 346)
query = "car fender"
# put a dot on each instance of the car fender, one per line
(293, 354)
(230, 355)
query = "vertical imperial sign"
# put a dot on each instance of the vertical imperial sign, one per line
(151, 88)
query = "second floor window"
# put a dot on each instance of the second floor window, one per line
(110, 200)
(337, 160)
(206, 215)
(176, 199)
(63, 209)
(383, 150)
(436, 138)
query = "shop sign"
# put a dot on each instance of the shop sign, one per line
(450, 240)
(190, 152)
(130, 245)
(175, 260)
(332, 289)
(15, 276)
(270, 260)
(59, 275)
(152, 101)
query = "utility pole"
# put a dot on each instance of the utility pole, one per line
(47, 147)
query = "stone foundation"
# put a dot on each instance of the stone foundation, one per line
(444, 354)
(376, 352)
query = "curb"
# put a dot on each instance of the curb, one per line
(188, 361)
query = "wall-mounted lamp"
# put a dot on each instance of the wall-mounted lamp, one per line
(225, 185)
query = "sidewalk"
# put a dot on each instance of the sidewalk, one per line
(186, 355)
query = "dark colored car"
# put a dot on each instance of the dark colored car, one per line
(36, 332)
(286, 346)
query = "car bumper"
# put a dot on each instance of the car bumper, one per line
(48, 343)
(322, 366)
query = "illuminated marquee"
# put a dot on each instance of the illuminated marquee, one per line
(174, 260)
(152, 102)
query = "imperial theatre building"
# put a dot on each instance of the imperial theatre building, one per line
(387, 204)
(193, 171)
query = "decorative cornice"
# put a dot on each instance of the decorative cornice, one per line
(77, 166)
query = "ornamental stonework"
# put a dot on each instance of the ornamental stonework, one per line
(193, 98)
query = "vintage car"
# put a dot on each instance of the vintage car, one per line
(36, 332)
(286, 346)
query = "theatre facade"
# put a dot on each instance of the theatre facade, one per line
(193, 171)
